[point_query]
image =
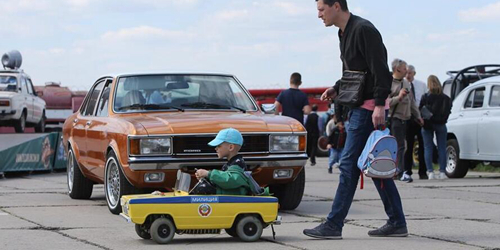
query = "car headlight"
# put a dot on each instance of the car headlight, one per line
(286, 143)
(150, 146)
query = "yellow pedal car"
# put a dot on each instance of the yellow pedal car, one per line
(161, 215)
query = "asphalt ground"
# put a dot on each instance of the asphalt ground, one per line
(36, 213)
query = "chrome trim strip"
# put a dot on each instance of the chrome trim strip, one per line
(167, 163)
(125, 217)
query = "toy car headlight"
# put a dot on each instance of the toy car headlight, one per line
(286, 143)
(150, 146)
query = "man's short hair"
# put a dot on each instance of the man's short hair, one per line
(411, 68)
(396, 63)
(343, 4)
(296, 79)
(315, 107)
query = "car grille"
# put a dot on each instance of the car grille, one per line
(199, 144)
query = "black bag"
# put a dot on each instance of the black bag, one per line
(351, 88)
(203, 187)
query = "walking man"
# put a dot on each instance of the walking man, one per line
(363, 50)
(293, 101)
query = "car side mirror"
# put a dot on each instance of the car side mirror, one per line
(268, 108)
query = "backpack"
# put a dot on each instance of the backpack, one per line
(378, 159)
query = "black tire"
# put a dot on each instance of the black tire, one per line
(20, 125)
(249, 228)
(40, 126)
(79, 187)
(321, 150)
(116, 184)
(142, 231)
(231, 232)
(455, 167)
(162, 230)
(290, 194)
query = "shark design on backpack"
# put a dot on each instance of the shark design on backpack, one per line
(378, 159)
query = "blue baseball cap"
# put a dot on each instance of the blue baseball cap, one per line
(229, 135)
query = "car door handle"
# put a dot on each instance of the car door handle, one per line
(486, 113)
(89, 122)
(461, 115)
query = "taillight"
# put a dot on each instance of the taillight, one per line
(4, 103)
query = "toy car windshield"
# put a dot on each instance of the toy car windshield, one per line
(183, 182)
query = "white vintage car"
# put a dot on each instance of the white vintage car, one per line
(473, 128)
(19, 104)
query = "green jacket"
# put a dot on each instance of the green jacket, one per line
(232, 181)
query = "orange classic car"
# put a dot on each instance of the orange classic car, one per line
(134, 131)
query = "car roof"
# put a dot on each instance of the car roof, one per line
(115, 75)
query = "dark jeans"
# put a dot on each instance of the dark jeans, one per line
(398, 130)
(360, 127)
(312, 144)
(412, 130)
(441, 133)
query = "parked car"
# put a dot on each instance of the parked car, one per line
(19, 104)
(134, 131)
(473, 128)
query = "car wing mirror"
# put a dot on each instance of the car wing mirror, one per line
(268, 108)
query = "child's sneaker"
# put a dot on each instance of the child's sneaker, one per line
(336, 165)
(406, 178)
(431, 175)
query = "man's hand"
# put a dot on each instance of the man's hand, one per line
(402, 94)
(420, 122)
(201, 173)
(378, 116)
(329, 94)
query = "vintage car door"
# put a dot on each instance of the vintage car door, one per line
(82, 122)
(28, 99)
(488, 133)
(97, 133)
(469, 115)
(38, 103)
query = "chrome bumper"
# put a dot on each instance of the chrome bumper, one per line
(169, 163)
(128, 218)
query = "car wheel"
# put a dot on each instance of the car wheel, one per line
(40, 127)
(455, 167)
(20, 125)
(249, 228)
(115, 184)
(142, 231)
(162, 230)
(79, 187)
(290, 194)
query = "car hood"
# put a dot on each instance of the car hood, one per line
(213, 122)
(7, 94)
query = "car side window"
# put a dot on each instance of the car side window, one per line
(24, 89)
(30, 86)
(470, 99)
(495, 96)
(102, 106)
(92, 99)
(478, 98)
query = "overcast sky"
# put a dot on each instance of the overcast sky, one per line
(260, 41)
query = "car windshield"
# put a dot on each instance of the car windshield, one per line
(180, 92)
(8, 83)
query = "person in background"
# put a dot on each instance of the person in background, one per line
(293, 101)
(312, 134)
(417, 89)
(336, 142)
(439, 105)
(403, 108)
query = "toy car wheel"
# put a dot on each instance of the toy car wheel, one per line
(79, 187)
(115, 184)
(249, 228)
(142, 231)
(162, 230)
(231, 232)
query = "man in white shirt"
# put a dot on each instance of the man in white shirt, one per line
(418, 88)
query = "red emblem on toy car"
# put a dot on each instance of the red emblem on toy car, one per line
(204, 210)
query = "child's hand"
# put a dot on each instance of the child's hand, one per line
(329, 146)
(201, 173)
